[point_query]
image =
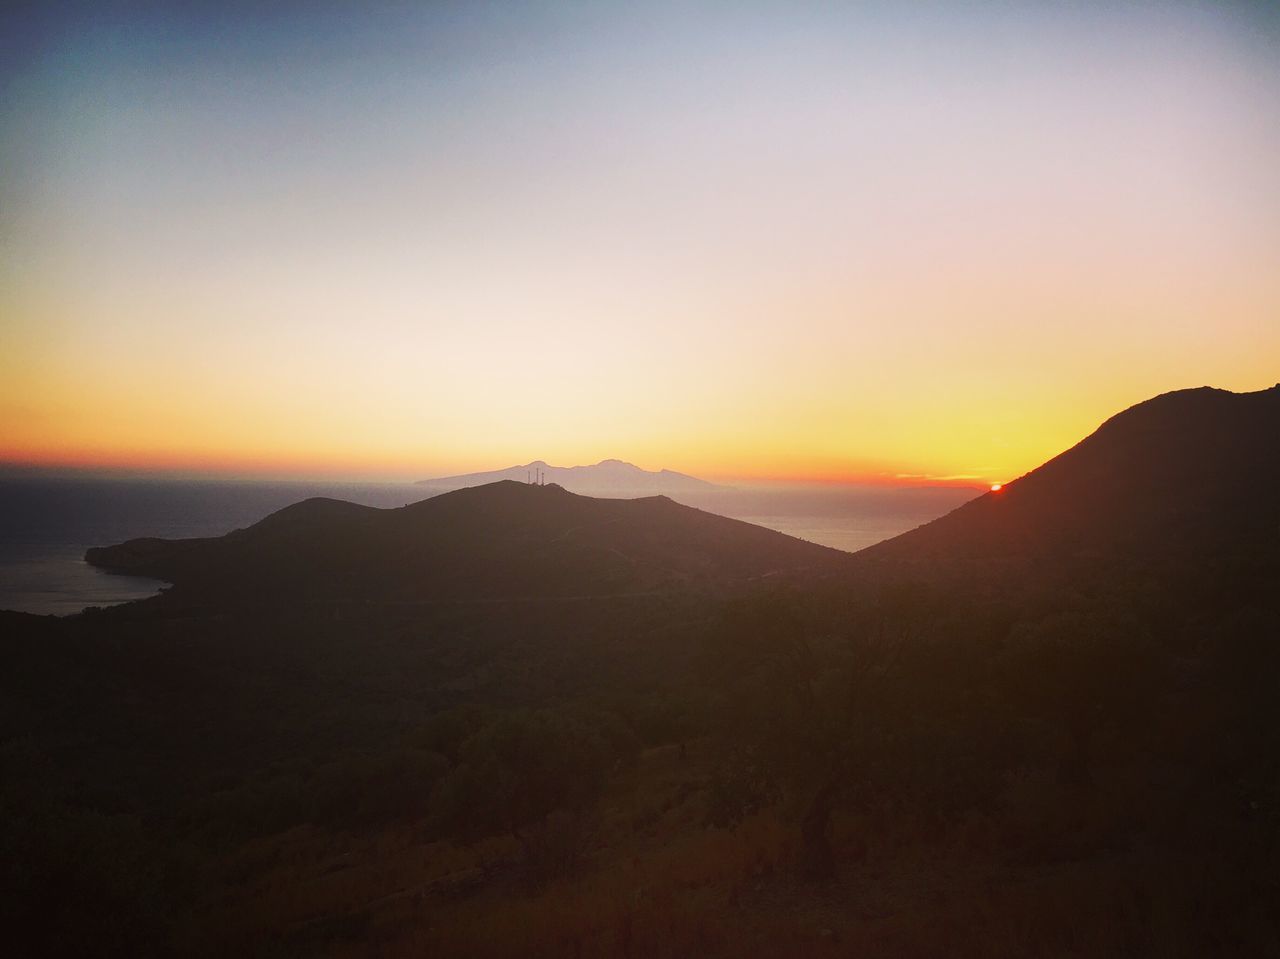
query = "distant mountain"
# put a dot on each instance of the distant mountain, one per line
(503, 540)
(1181, 489)
(608, 477)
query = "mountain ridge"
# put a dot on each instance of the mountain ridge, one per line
(501, 540)
(608, 475)
(1176, 489)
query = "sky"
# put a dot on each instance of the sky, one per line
(917, 243)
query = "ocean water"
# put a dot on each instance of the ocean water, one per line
(844, 517)
(46, 524)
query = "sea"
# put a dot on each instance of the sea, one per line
(47, 523)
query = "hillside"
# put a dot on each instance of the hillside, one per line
(608, 477)
(503, 540)
(345, 725)
(1178, 489)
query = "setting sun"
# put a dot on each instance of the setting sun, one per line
(369, 300)
(476, 476)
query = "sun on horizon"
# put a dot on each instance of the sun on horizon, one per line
(780, 242)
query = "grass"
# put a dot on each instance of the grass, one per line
(1034, 878)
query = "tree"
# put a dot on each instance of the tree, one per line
(806, 715)
(1083, 674)
(534, 775)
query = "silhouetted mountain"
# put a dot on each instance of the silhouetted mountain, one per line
(405, 720)
(502, 540)
(610, 477)
(1181, 485)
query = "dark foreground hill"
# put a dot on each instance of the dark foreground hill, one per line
(1180, 491)
(500, 541)
(1058, 737)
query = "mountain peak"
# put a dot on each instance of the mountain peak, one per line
(609, 477)
(504, 540)
(1169, 487)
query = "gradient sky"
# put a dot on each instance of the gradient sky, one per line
(827, 241)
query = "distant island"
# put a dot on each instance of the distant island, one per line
(608, 477)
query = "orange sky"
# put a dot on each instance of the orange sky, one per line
(791, 243)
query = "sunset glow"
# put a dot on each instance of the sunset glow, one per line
(917, 248)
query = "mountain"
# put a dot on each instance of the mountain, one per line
(502, 540)
(1180, 488)
(608, 477)
(384, 693)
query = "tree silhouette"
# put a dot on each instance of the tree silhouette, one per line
(807, 715)
(533, 775)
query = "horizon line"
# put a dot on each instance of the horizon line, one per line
(62, 469)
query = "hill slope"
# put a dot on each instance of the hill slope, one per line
(610, 477)
(503, 540)
(1180, 487)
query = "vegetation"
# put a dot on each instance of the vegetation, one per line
(905, 761)
(811, 771)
